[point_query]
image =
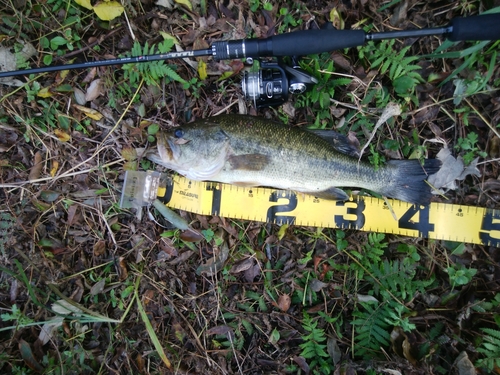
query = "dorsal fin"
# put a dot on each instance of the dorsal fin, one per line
(339, 141)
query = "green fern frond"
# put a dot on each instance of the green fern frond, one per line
(371, 327)
(314, 348)
(490, 348)
(401, 69)
(153, 71)
(341, 81)
(494, 333)
(397, 277)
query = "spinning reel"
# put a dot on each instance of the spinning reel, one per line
(274, 82)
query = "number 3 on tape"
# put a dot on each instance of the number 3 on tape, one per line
(354, 217)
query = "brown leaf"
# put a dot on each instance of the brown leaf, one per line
(242, 265)
(62, 135)
(129, 153)
(71, 214)
(148, 296)
(36, 170)
(98, 287)
(140, 363)
(191, 235)
(219, 330)
(284, 302)
(94, 90)
(214, 264)
(121, 268)
(399, 14)
(334, 350)
(301, 362)
(167, 247)
(464, 365)
(182, 258)
(179, 332)
(90, 75)
(251, 273)
(27, 355)
(99, 248)
(340, 60)
(316, 285)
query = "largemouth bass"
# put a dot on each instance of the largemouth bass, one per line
(252, 151)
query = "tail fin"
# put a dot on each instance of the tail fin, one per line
(409, 180)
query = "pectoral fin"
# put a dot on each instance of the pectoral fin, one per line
(248, 162)
(332, 194)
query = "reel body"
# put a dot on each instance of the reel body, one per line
(272, 84)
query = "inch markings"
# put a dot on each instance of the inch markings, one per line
(437, 221)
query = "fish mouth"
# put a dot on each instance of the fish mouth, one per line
(168, 149)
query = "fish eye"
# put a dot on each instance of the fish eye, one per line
(178, 133)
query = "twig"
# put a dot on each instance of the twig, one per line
(483, 118)
(391, 110)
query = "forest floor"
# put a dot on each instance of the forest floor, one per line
(87, 287)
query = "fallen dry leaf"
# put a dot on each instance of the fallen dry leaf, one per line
(219, 330)
(49, 328)
(284, 302)
(28, 357)
(55, 167)
(108, 10)
(94, 90)
(62, 135)
(99, 248)
(36, 170)
(214, 264)
(242, 265)
(92, 113)
(451, 170)
(121, 268)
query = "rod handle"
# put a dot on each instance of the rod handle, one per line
(308, 42)
(297, 43)
(483, 27)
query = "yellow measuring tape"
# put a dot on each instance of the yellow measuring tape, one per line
(438, 220)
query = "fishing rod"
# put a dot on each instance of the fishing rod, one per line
(273, 83)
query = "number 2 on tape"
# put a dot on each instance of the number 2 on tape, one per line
(273, 215)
